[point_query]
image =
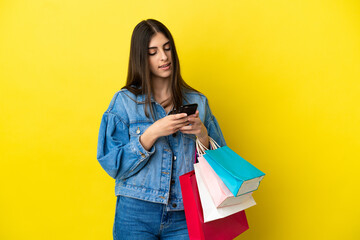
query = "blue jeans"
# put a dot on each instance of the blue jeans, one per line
(141, 220)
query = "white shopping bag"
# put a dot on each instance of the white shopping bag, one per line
(210, 211)
(219, 193)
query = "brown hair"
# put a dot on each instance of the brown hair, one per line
(138, 78)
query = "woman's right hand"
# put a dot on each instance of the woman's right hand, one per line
(169, 124)
(163, 127)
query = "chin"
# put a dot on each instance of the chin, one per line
(164, 75)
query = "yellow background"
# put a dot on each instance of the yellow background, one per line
(282, 78)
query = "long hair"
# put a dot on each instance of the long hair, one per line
(139, 76)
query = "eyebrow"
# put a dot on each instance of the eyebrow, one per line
(163, 45)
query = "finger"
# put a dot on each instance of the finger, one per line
(181, 121)
(193, 120)
(196, 114)
(181, 125)
(179, 115)
(187, 128)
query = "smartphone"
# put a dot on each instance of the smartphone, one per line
(189, 109)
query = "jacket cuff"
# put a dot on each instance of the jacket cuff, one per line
(140, 151)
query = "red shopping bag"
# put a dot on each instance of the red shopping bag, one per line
(221, 229)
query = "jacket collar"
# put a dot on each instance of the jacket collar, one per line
(140, 99)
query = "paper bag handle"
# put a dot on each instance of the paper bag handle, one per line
(200, 148)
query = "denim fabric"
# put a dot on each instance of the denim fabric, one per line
(149, 175)
(139, 220)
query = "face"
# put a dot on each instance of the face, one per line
(159, 56)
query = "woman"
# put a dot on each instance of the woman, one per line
(145, 145)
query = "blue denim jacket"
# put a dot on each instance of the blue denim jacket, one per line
(149, 175)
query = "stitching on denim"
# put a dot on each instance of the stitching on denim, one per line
(112, 104)
(136, 142)
(120, 119)
(131, 98)
(116, 213)
(113, 100)
(127, 185)
(141, 121)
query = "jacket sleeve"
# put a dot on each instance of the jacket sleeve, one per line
(212, 126)
(119, 156)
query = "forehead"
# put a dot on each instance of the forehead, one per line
(158, 40)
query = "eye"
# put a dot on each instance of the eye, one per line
(167, 47)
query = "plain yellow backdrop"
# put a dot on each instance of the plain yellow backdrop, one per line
(282, 78)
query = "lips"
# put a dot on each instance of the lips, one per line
(165, 65)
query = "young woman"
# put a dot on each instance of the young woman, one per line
(145, 145)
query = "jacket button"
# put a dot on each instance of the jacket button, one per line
(174, 205)
(138, 131)
(142, 155)
(174, 158)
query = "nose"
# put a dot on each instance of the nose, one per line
(164, 55)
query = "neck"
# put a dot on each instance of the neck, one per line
(161, 88)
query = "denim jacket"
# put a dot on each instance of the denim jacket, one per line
(149, 175)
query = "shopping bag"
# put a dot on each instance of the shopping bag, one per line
(238, 175)
(210, 211)
(220, 194)
(225, 228)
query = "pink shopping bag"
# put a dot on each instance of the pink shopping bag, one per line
(225, 228)
(220, 194)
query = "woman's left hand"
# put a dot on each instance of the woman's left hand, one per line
(197, 128)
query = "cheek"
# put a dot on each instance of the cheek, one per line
(153, 66)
